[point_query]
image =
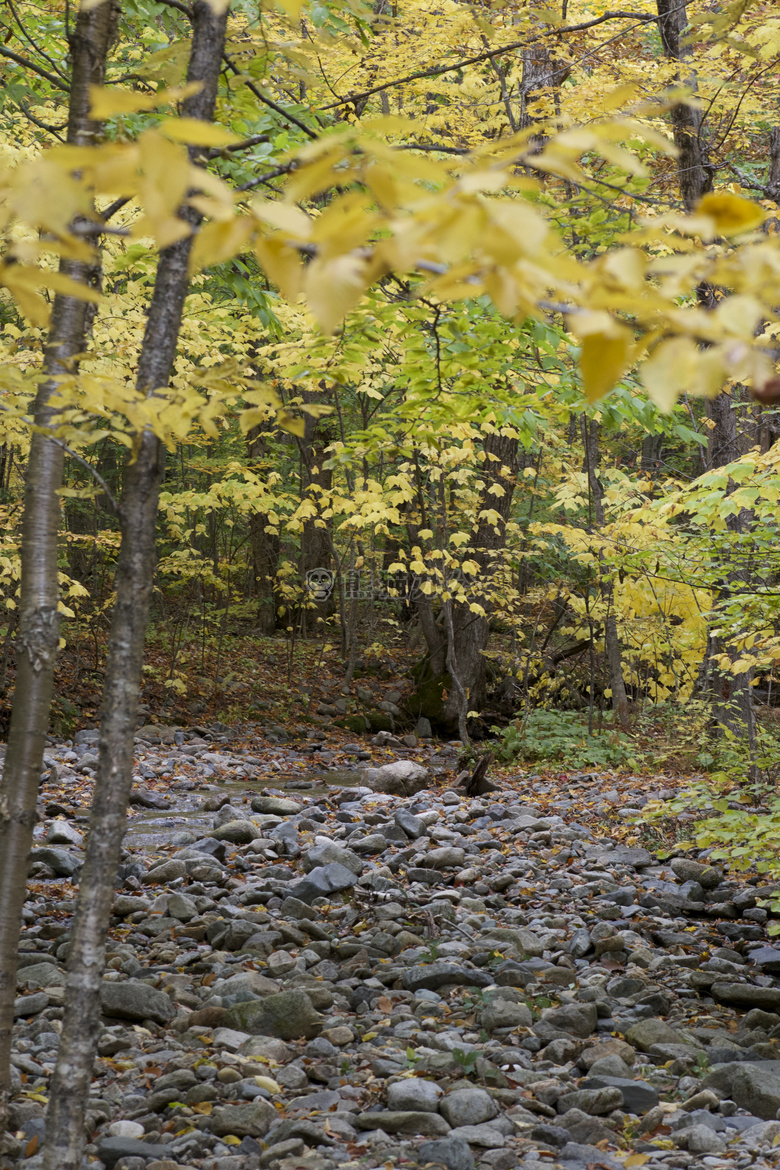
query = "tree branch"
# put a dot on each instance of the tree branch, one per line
(261, 97)
(23, 61)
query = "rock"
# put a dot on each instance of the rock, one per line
(633, 857)
(584, 1128)
(577, 1018)
(442, 974)
(237, 832)
(404, 1121)
(278, 806)
(131, 999)
(699, 1139)
(696, 871)
(586, 1155)
(373, 843)
(402, 778)
(253, 1119)
(757, 1090)
(613, 1047)
(413, 826)
(502, 1014)
(451, 1152)
(449, 857)
(63, 863)
(580, 943)
(182, 907)
(63, 833)
(487, 1136)
(468, 1107)
(325, 852)
(167, 871)
(647, 1033)
(638, 1096)
(593, 1101)
(746, 995)
(767, 958)
(111, 1149)
(288, 1016)
(423, 729)
(415, 1095)
(322, 881)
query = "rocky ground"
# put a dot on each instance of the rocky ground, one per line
(368, 969)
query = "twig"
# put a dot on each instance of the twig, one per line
(88, 466)
(261, 97)
(27, 64)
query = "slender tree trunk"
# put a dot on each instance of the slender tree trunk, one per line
(590, 442)
(38, 614)
(467, 632)
(134, 579)
(316, 537)
(266, 546)
(694, 170)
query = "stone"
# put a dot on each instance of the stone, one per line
(756, 1089)
(253, 1119)
(489, 1137)
(404, 1121)
(638, 1096)
(587, 1155)
(37, 975)
(448, 857)
(237, 832)
(325, 852)
(182, 907)
(167, 871)
(451, 1152)
(746, 995)
(130, 999)
(767, 958)
(577, 1018)
(288, 1016)
(63, 863)
(415, 1095)
(699, 1139)
(593, 1101)
(501, 1014)
(412, 826)
(278, 806)
(468, 1107)
(423, 729)
(323, 881)
(63, 833)
(631, 856)
(696, 871)
(402, 778)
(111, 1149)
(647, 1033)
(604, 1048)
(584, 1128)
(580, 943)
(442, 974)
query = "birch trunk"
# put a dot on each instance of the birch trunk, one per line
(38, 613)
(134, 579)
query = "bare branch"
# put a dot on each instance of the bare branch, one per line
(26, 64)
(261, 97)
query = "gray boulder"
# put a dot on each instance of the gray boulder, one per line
(288, 1015)
(402, 778)
(130, 999)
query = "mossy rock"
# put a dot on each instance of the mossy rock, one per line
(356, 723)
(380, 721)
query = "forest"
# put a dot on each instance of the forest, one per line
(378, 380)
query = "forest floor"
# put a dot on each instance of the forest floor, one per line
(317, 963)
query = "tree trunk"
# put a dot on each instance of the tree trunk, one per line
(134, 579)
(316, 538)
(467, 632)
(694, 170)
(38, 614)
(590, 442)
(266, 546)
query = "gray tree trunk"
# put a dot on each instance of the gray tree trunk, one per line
(134, 579)
(694, 170)
(590, 442)
(467, 633)
(38, 617)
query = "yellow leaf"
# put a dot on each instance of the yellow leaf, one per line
(203, 1107)
(231, 1140)
(730, 213)
(108, 102)
(636, 1160)
(268, 1083)
(333, 287)
(607, 350)
(369, 1036)
(196, 132)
